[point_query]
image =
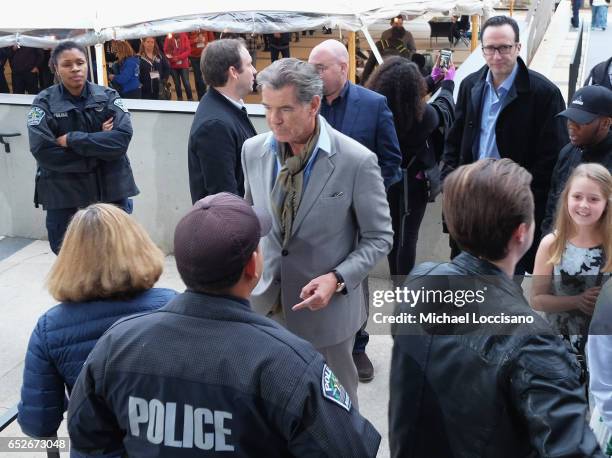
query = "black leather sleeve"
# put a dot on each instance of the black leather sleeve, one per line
(545, 384)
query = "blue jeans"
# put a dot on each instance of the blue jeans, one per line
(274, 52)
(197, 76)
(576, 5)
(178, 75)
(599, 16)
(58, 219)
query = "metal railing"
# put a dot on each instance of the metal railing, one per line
(7, 146)
(574, 67)
(9, 417)
(537, 21)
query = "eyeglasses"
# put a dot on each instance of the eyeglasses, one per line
(503, 50)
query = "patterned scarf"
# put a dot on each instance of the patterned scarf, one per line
(287, 191)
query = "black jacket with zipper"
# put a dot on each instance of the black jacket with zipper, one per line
(94, 167)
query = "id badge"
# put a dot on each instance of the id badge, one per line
(154, 75)
(200, 45)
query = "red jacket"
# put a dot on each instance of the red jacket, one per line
(177, 50)
(207, 37)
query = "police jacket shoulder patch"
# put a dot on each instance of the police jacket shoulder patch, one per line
(119, 103)
(35, 116)
(333, 390)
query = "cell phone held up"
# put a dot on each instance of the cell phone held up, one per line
(445, 58)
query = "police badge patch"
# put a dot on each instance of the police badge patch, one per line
(333, 390)
(119, 103)
(35, 116)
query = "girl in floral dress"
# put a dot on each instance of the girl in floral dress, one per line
(576, 259)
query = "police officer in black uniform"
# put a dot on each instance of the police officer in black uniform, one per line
(205, 373)
(79, 134)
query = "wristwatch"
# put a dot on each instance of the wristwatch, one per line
(340, 285)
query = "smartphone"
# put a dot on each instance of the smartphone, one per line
(445, 58)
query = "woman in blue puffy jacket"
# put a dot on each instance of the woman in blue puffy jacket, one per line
(105, 271)
(126, 76)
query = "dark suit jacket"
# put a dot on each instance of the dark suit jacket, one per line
(368, 120)
(527, 129)
(218, 131)
(599, 74)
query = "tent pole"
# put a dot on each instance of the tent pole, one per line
(352, 61)
(475, 32)
(101, 64)
(90, 64)
(372, 44)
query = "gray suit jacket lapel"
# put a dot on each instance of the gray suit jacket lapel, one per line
(267, 164)
(265, 170)
(319, 175)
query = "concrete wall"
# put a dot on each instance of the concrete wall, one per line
(158, 153)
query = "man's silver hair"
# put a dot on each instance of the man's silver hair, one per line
(292, 72)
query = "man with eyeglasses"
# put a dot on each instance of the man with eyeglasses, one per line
(505, 110)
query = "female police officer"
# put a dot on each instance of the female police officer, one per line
(79, 134)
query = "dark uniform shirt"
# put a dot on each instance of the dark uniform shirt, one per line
(94, 167)
(77, 100)
(207, 374)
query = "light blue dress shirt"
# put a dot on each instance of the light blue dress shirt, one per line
(491, 106)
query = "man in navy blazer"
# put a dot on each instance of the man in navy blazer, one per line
(364, 116)
(368, 120)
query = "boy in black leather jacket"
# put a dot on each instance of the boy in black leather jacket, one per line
(459, 387)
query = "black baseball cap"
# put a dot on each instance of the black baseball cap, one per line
(216, 238)
(588, 103)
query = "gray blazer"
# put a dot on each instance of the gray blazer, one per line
(343, 223)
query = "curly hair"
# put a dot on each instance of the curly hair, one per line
(401, 82)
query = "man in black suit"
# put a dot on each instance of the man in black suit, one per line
(221, 124)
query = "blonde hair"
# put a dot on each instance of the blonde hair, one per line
(105, 253)
(564, 225)
(122, 49)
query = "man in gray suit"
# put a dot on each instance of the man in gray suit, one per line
(331, 217)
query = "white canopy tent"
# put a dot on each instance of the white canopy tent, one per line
(43, 24)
